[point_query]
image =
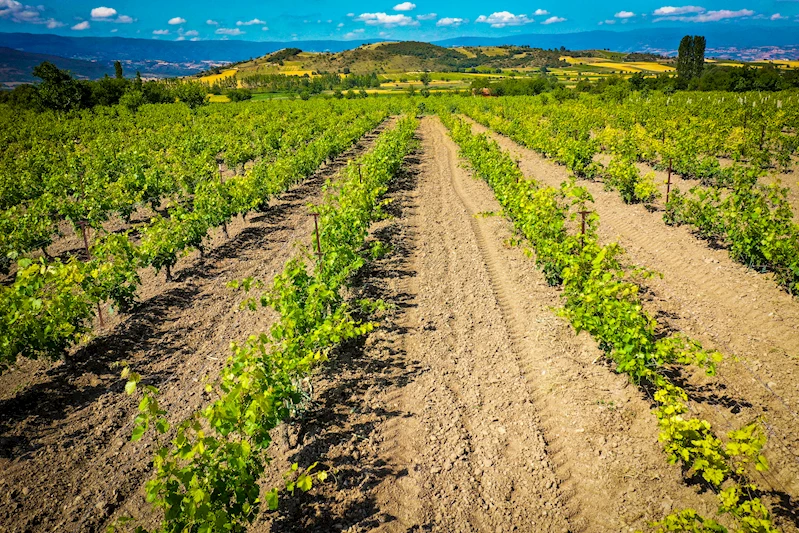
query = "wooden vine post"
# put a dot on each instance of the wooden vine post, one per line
(82, 225)
(668, 183)
(318, 241)
(583, 214)
(224, 224)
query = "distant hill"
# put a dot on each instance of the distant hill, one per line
(155, 57)
(16, 66)
(734, 42)
(179, 58)
(407, 56)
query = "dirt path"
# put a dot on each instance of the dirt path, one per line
(717, 301)
(66, 463)
(473, 407)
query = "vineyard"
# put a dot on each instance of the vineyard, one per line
(453, 313)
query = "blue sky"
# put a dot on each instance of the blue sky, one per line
(355, 20)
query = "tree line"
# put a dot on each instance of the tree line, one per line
(60, 91)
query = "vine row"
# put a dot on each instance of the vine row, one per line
(601, 297)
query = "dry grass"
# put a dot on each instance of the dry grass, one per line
(494, 51)
(467, 53)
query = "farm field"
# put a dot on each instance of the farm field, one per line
(619, 66)
(451, 313)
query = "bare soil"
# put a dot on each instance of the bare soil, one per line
(471, 407)
(66, 463)
(724, 305)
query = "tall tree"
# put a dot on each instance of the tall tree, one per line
(699, 55)
(118, 74)
(684, 57)
(691, 57)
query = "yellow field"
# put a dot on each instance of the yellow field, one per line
(580, 60)
(786, 63)
(218, 98)
(623, 67)
(216, 77)
(631, 67)
(291, 72)
(651, 66)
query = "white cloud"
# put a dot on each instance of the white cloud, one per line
(160, 32)
(103, 12)
(265, 28)
(624, 15)
(80, 26)
(340, 25)
(450, 21)
(389, 21)
(212, 22)
(777, 16)
(714, 16)
(350, 14)
(107, 14)
(405, 6)
(540, 12)
(671, 10)
(192, 33)
(554, 20)
(611, 22)
(253, 22)
(353, 34)
(500, 19)
(6, 6)
(114, 30)
(24, 14)
(428, 16)
(174, 21)
(700, 15)
(229, 31)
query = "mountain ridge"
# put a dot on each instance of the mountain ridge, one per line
(159, 58)
(17, 66)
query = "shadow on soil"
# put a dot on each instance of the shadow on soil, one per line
(63, 387)
(341, 418)
(781, 504)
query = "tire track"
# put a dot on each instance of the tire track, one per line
(603, 451)
(470, 445)
(721, 303)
